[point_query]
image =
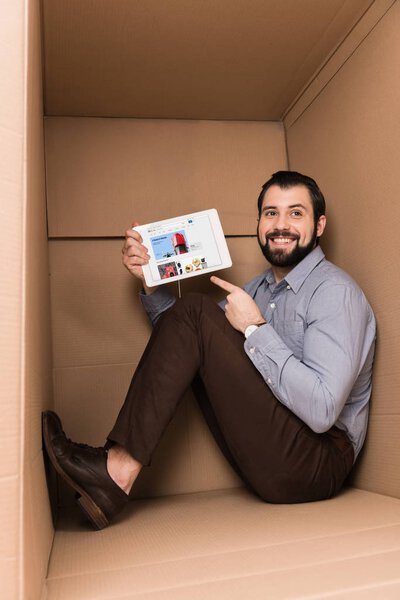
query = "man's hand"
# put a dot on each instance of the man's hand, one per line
(135, 255)
(241, 310)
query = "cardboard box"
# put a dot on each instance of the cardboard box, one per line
(115, 111)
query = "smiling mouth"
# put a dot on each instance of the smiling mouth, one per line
(281, 240)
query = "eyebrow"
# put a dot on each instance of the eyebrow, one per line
(298, 205)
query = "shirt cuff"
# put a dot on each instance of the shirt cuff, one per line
(157, 302)
(268, 353)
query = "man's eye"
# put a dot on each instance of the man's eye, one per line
(270, 213)
(296, 213)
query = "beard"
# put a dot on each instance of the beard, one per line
(280, 257)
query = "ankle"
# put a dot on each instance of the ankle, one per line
(122, 467)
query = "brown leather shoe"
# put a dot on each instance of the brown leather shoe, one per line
(84, 468)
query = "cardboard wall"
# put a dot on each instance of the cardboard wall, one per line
(186, 60)
(346, 136)
(101, 175)
(36, 518)
(11, 309)
(26, 531)
(92, 166)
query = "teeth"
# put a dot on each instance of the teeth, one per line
(282, 240)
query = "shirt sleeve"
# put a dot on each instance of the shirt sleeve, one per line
(157, 302)
(317, 387)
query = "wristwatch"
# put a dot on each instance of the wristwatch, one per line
(251, 328)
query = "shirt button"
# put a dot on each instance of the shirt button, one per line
(269, 380)
(288, 287)
(272, 305)
(252, 350)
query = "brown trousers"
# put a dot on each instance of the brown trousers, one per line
(275, 453)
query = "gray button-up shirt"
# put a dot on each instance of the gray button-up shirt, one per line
(316, 350)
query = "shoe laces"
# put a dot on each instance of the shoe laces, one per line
(85, 446)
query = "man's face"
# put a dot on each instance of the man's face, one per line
(287, 231)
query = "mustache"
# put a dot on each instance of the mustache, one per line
(282, 233)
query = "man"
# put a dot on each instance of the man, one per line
(282, 374)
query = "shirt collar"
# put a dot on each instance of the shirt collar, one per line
(296, 277)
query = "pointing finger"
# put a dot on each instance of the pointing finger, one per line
(225, 285)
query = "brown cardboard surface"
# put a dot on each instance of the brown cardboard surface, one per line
(37, 393)
(357, 153)
(99, 333)
(225, 539)
(378, 469)
(38, 528)
(389, 591)
(334, 63)
(187, 460)
(104, 173)
(385, 393)
(101, 173)
(97, 317)
(221, 577)
(208, 60)
(307, 583)
(351, 147)
(386, 379)
(38, 384)
(88, 399)
(211, 523)
(12, 203)
(10, 565)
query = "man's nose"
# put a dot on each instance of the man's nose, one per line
(282, 222)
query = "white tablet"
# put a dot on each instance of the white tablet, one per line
(184, 247)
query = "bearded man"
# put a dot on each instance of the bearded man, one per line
(282, 373)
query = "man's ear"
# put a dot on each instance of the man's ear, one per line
(321, 225)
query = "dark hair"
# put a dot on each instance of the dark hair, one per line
(289, 179)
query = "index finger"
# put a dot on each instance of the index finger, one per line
(225, 285)
(132, 233)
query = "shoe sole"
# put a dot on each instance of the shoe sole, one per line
(86, 503)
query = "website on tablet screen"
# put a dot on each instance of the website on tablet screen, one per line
(182, 247)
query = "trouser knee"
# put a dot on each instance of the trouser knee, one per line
(194, 299)
(195, 303)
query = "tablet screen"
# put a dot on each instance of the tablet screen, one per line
(184, 246)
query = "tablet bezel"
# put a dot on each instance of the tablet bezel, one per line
(216, 227)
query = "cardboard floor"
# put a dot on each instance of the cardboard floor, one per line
(229, 544)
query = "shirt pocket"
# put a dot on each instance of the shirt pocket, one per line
(292, 334)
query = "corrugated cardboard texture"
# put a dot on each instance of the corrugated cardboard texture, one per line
(334, 63)
(97, 317)
(99, 333)
(12, 198)
(192, 60)
(100, 174)
(37, 526)
(232, 545)
(348, 139)
(187, 459)
(104, 173)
